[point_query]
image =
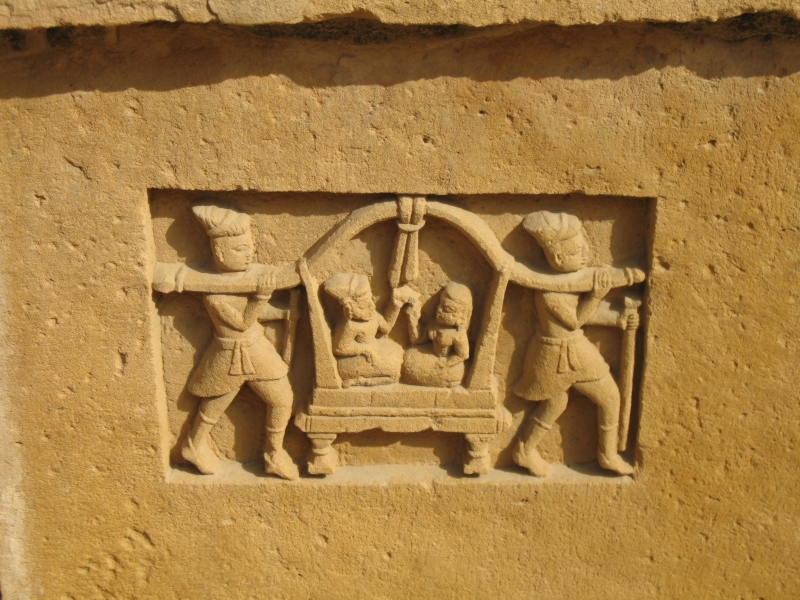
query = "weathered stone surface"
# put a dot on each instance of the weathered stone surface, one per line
(677, 146)
(27, 14)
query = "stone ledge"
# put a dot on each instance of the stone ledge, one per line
(29, 14)
(235, 473)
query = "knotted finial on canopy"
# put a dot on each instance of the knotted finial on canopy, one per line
(404, 267)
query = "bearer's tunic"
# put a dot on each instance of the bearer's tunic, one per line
(234, 357)
(557, 357)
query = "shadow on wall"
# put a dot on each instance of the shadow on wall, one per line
(345, 52)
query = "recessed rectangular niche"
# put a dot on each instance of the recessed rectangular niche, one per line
(401, 406)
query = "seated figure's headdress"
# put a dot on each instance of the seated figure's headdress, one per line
(347, 285)
(461, 295)
(551, 228)
(219, 221)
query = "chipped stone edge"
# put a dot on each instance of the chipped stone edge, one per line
(31, 14)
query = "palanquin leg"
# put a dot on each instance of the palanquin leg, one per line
(323, 457)
(477, 460)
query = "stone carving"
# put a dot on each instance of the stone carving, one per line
(363, 359)
(358, 369)
(560, 357)
(442, 379)
(240, 353)
(440, 361)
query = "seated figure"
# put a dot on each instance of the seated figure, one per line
(362, 357)
(440, 361)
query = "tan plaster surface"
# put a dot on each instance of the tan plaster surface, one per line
(97, 123)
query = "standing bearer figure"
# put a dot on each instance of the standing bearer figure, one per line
(240, 352)
(560, 357)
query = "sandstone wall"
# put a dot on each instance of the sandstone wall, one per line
(676, 142)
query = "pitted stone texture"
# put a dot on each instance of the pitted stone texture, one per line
(26, 14)
(706, 127)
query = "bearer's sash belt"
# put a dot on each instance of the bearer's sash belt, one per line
(568, 359)
(241, 364)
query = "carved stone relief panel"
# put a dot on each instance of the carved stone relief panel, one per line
(308, 331)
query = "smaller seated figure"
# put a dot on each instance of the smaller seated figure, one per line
(362, 357)
(440, 361)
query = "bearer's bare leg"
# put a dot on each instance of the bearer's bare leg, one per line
(277, 394)
(196, 449)
(605, 394)
(536, 425)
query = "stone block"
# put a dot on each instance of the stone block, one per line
(310, 299)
